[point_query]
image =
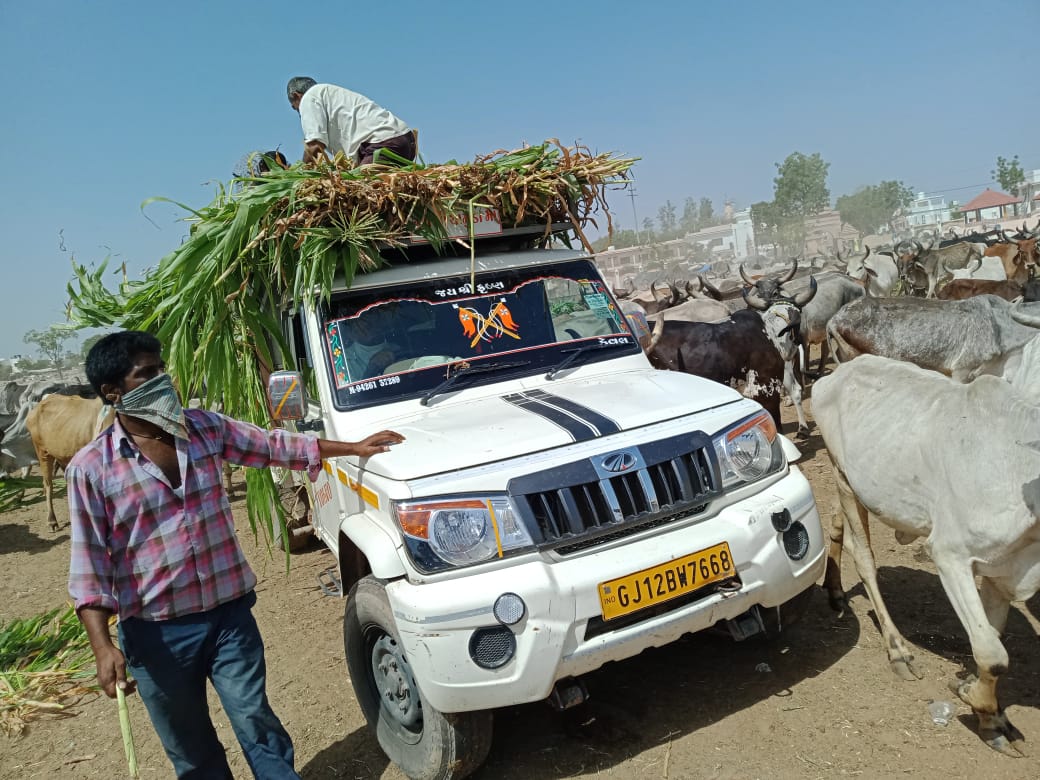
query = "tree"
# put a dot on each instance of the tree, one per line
(648, 230)
(666, 218)
(690, 219)
(869, 208)
(6, 371)
(92, 340)
(705, 213)
(766, 221)
(51, 343)
(1009, 174)
(799, 191)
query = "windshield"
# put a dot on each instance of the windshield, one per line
(391, 343)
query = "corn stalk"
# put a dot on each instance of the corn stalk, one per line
(275, 241)
(46, 665)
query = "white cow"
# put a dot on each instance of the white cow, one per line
(958, 464)
(991, 268)
(878, 274)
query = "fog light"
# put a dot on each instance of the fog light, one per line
(782, 520)
(796, 541)
(491, 648)
(509, 609)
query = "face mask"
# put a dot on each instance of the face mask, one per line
(156, 402)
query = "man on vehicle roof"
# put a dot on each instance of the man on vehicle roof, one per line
(335, 119)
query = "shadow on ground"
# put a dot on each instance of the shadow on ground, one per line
(16, 537)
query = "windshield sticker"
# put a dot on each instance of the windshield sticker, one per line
(600, 305)
(464, 289)
(498, 323)
(339, 361)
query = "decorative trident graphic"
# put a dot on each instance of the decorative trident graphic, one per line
(498, 323)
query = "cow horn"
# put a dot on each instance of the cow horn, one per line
(914, 242)
(653, 289)
(655, 336)
(977, 267)
(791, 273)
(802, 298)
(743, 275)
(753, 299)
(946, 268)
(1004, 235)
(1031, 320)
(709, 288)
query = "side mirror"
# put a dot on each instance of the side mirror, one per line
(286, 397)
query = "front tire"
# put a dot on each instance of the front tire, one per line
(424, 743)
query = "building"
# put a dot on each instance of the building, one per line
(993, 206)
(926, 210)
(732, 240)
(826, 234)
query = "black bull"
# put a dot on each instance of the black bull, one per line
(735, 352)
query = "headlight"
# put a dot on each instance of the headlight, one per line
(748, 451)
(460, 532)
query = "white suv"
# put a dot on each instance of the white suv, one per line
(557, 504)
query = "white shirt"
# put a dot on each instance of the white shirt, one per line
(343, 120)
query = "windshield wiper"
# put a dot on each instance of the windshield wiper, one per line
(470, 370)
(574, 354)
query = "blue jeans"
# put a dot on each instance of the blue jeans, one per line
(171, 660)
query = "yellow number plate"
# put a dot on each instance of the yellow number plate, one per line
(650, 587)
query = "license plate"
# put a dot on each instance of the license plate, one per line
(653, 586)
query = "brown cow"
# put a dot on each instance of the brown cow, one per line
(60, 426)
(1018, 255)
(960, 289)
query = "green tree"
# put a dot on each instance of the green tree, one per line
(799, 191)
(51, 343)
(1009, 174)
(92, 340)
(690, 216)
(6, 371)
(766, 221)
(705, 214)
(800, 188)
(648, 230)
(869, 208)
(666, 219)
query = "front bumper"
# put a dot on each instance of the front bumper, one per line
(436, 620)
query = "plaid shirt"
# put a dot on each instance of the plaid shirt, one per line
(144, 549)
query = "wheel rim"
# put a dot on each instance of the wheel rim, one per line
(395, 684)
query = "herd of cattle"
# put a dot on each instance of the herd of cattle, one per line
(933, 428)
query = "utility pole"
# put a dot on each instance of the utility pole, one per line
(635, 219)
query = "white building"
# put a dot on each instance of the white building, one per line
(925, 210)
(736, 238)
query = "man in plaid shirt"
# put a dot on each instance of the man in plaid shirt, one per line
(153, 540)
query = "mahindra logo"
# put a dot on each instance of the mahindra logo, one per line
(619, 461)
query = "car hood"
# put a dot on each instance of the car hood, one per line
(459, 434)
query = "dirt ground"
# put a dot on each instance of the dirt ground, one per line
(825, 705)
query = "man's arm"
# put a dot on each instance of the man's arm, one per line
(377, 442)
(111, 664)
(312, 150)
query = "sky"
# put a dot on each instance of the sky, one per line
(110, 104)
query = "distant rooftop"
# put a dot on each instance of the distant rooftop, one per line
(989, 199)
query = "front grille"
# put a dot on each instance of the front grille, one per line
(581, 505)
